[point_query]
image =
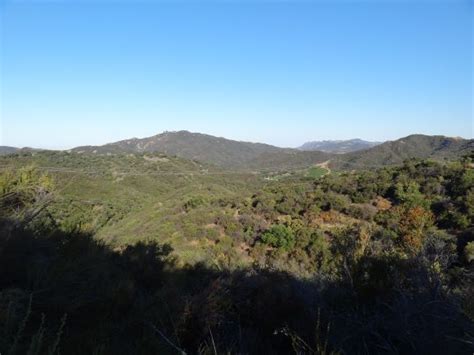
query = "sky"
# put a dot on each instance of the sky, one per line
(280, 72)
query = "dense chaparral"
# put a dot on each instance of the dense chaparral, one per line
(142, 252)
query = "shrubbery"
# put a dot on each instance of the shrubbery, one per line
(370, 262)
(279, 236)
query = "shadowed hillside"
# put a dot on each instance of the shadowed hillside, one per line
(69, 294)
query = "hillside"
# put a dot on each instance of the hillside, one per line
(127, 197)
(121, 249)
(97, 164)
(195, 146)
(338, 146)
(395, 152)
(287, 160)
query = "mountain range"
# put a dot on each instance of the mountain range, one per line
(231, 154)
(236, 154)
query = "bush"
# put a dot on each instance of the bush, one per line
(193, 202)
(469, 252)
(279, 236)
(361, 211)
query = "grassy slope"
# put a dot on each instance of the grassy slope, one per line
(317, 172)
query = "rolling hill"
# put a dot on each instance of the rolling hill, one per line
(395, 152)
(213, 150)
(232, 154)
(236, 155)
(338, 146)
(123, 197)
(194, 146)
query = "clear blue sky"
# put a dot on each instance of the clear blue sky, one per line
(284, 72)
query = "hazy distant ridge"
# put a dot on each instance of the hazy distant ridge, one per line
(7, 150)
(234, 154)
(338, 146)
(4, 150)
(231, 154)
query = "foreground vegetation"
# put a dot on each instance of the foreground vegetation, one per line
(146, 260)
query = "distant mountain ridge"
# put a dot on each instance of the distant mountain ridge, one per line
(4, 150)
(231, 154)
(214, 150)
(257, 156)
(338, 146)
(194, 146)
(7, 150)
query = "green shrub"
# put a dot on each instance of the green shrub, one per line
(279, 236)
(194, 202)
(469, 252)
